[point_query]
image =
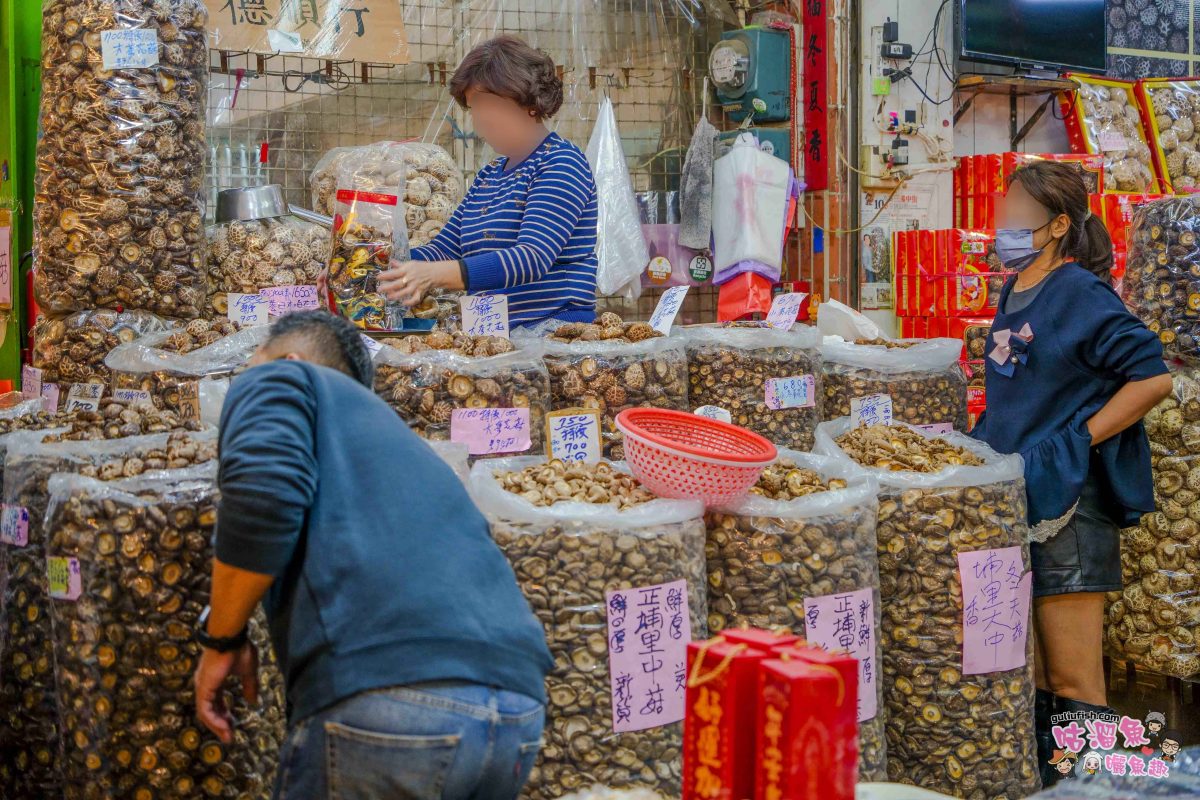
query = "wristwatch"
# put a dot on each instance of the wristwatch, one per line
(222, 644)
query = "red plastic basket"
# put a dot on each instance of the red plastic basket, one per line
(684, 456)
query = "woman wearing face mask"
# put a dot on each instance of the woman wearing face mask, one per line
(1070, 374)
(527, 227)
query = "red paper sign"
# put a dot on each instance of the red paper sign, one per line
(815, 95)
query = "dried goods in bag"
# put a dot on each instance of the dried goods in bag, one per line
(479, 390)
(1102, 116)
(612, 365)
(118, 218)
(72, 349)
(129, 567)
(1162, 277)
(952, 527)
(1172, 109)
(1154, 621)
(923, 378)
(248, 256)
(768, 380)
(601, 532)
(803, 540)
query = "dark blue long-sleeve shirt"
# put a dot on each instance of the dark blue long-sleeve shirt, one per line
(1085, 347)
(385, 572)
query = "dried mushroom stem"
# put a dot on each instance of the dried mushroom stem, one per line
(556, 481)
(901, 449)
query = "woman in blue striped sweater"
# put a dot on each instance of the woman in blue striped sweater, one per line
(527, 227)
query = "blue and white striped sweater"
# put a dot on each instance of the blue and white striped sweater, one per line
(529, 234)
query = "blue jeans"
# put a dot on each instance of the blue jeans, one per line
(422, 742)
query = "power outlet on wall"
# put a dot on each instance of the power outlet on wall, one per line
(873, 161)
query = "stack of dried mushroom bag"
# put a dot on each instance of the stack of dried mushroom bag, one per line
(574, 534)
(480, 390)
(923, 377)
(1103, 117)
(1155, 620)
(798, 553)
(1162, 277)
(612, 365)
(30, 739)
(129, 565)
(953, 569)
(767, 380)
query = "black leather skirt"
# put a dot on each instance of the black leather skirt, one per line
(1085, 556)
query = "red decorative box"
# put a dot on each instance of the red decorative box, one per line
(759, 639)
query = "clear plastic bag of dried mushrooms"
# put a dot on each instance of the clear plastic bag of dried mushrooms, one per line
(29, 722)
(425, 379)
(613, 365)
(176, 371)
(1173, 109)
(573, 533)
(118, 218)
(1162, 279)
(72, 349)
(806, 530)
(740, 367)
(248, 256)
(1155, 620)
(1103, 117)
(969, 735)
(129, 565)
(922, 376)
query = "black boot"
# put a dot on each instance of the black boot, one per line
(1045, 707)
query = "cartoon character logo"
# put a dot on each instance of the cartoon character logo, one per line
(1064, 761)
(1171, 745)
(1091, 763)
(1155, 722)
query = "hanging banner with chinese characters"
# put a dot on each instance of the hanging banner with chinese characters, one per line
(814, 84)
(369, 31)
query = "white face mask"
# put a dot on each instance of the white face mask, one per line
(1014, 247)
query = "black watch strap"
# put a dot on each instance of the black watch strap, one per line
(465, 274)
(222, 644)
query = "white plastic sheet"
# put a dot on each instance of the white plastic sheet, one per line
(621, 249)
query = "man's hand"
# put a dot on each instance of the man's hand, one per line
(211, 673)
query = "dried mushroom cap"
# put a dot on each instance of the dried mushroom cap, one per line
(901, 449)
(891, 344)
(557, 481)
(608, 327)
(1112, 112)
(198, 333)
(72, 349)
(116, 421)
(1162, 279)
(783, 480)
(919, 397)
(1172, 107)
(246, 257)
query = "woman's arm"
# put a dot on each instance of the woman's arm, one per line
(447, 245)
(1132, 402)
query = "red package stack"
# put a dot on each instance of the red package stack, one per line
(807, 733)
(719, 721)
(983, 179)
(969, 275)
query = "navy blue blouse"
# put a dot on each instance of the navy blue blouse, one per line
(1085, 346)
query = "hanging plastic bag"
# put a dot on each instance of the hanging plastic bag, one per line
(696, 184)
(750, 201)
(621, 249)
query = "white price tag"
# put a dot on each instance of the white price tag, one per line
(714, 412)
(84, 396)
(50, 396)
(132, 396)
(373, 346)
(485, 314)
(874, 409)
(1112, 140)
(938, 428)
(784, 309)
(668, 306)
(129, 48)
(248, 309)
(574, 435)
(31, 381)
(285, 41)
(795, 392)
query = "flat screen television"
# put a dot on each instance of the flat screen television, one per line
(1058, 35)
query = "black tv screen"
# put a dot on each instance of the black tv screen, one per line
(1039, 34)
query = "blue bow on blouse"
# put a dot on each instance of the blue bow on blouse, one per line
(1011, 349)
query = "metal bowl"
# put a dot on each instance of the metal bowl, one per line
(251, 203)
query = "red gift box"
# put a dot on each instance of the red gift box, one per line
(807, 734)
(923, 287)
(721, 705)
(900, 267)
(969, 275)
(760, 639)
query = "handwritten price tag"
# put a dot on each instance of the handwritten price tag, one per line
(797, 392)
(66, 581)
(50, 396)
(784, 309)
(84, 397)
(14, 525)
(485, 314)
(573, 435)
(714, 412)
(282, 300)
(668, 306)
(874, 409)
(373, 346)
(938, 428)
(132, 48)
(189, 400)
(1112, 140)
(846, 623)
(248, 309)
(132, 396)
(996, 591)
(31, 381)
(491, 430)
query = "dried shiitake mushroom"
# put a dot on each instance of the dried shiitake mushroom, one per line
(197, 334)
(900, 449)
(1175, 108)
(118, 217)
(612, 365)
(1162, 278)
(246, 257)
(1111, 121)
(1154, 620)
(72, 349)
(557, 481)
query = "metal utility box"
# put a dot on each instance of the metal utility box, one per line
(751, 69)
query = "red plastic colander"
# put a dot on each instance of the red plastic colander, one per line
(688, 457)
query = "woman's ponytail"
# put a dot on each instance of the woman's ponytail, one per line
(1060, 189)
(1094, 248)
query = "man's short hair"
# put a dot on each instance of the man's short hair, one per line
(1172, 736)
(333, 342)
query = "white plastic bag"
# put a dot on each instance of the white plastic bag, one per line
(839, 319)
(750, 199)
(622, 249)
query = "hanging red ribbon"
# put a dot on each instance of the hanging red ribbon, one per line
(814, 88)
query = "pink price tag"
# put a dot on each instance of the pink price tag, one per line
(50, 396)
(66, 581)
(491, 430)
(796, 392)
(996, 590)
(14, 525)
(283, 300)
(31, 382)
(648, 633)
(845, 623)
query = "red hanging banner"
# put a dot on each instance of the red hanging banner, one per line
(814, 88)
